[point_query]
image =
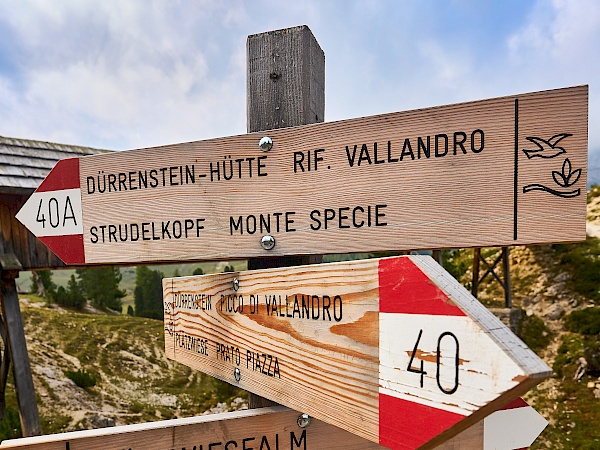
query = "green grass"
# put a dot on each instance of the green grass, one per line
(584, 321)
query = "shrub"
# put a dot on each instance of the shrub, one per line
(583, 261)
(584, 321)
(10, 426)
(81, 378)
(534, 333)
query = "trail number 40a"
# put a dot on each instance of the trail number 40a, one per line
(52, 213)
(445, 335)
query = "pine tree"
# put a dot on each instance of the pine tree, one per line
(75, 293)
(101, 287)
(73, 296)
(148, 295)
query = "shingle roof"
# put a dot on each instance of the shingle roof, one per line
(25, 163)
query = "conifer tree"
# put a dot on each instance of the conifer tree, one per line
(101, 287)
(148, 296)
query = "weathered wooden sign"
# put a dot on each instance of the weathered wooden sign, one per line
(504, 171)
(275, 428)
(393, 350)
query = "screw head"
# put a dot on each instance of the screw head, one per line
(303, 420)
(236, 284)
(266, 144)
(237, 374)
(267, 242)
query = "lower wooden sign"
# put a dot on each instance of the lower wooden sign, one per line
(393, 350)
(275, 428)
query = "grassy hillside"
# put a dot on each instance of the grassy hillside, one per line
(134, 382)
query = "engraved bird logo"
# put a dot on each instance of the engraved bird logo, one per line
(546, 149)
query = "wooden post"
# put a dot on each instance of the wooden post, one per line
(30, 418)
(475, 284)
(506, 270)
(285, 88)
(504, 282)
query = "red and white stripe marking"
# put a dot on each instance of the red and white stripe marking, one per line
(53, 212)
(437, 365)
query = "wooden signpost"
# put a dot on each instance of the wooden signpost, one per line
(274, 428)
(393, 350)
(505, 171)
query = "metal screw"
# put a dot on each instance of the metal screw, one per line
(266, 144)
(267, 242)
(303, 420)
(237, 374)
(236, 284)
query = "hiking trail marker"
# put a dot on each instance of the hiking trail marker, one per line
(497, 172)
(393, 350)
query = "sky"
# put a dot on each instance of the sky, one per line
(123, 74)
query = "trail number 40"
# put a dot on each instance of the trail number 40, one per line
(446, 335)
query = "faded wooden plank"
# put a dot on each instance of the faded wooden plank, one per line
(30, 419)
(285, 79)
(273, 428)
(264, 428)
(336, 341)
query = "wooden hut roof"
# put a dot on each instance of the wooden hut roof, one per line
(25, 163)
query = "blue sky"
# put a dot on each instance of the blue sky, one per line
(121, 74)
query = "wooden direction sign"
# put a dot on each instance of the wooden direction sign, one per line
(393, 350)
(505, 171)
(274, 428)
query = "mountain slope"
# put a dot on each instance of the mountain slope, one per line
(134, 381)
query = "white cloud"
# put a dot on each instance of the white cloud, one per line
(133, 73)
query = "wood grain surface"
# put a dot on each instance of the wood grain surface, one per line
(272, 428)
(504, 171)
(375, 347)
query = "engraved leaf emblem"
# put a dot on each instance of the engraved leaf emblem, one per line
(567, 177)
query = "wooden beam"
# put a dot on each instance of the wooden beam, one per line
(30, 419)
(285, 88)
(285, 79)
